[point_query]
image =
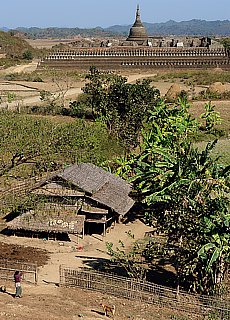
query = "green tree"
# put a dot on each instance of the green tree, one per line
(215, 253)
(44, 145)
(27, 55)
(77, 109)
(181, 189)
(51, 99)
(226, 43)
(121, 106)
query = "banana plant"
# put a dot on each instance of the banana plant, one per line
(182, 188)
(215, 254)
(211, 117)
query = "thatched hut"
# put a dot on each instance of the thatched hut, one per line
(49, 222)
(82, 195)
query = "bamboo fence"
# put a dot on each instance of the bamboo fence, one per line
(144, 291)
(8, 268)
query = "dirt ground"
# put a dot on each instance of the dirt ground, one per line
(47, 300)
(22, 253)
(77, 252)
(28, 93)
(47, 43)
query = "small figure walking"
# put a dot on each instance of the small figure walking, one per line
(17, 280)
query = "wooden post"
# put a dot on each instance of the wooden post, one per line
(104, 230)
(83, 230)
(36, 274)
(60, 275)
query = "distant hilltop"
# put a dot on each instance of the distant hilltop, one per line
(184, 28)
(4, 29)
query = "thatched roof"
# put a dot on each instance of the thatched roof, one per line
(109, 193)
(87, 208)
(52, 222)
(91, 178)
(55, 189)
(103, 187)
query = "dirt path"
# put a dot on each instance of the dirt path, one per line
(132, 78)
(82, 253)
(34, 99)
(29, 67)
(49, 301)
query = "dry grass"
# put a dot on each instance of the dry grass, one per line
(195, 77)
(223, 107)
(222, 148)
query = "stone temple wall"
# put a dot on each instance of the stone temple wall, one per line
(122, 58)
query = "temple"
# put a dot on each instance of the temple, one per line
(140, 52)
(138, 32)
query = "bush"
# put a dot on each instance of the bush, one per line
(77, 109)
(33, 77)
(27, 55)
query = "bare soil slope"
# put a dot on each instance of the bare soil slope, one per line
(49, 302)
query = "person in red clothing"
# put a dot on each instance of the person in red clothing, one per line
(17, 280)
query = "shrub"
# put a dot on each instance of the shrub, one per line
(27, 55)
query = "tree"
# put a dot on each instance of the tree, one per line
(226, 43)
(11, 97)
(215, 253)
(27, 55)
(44, 145)
(121, 106)
(62, 84)
(132, 260)
(77, 109)
(184, 194)
(51, 99)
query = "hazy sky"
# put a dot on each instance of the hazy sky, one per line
(105, 13)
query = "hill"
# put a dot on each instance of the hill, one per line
(14, 46)
(63, 33)
(4, 29)
(190, 28)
